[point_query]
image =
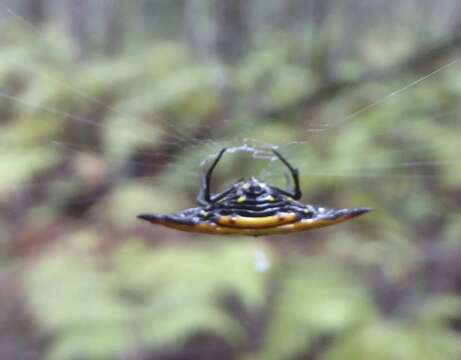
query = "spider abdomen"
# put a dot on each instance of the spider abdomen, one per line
(246, 222)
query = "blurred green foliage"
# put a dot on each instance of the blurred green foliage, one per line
(100, 306)
(97, 305)
(101, 287)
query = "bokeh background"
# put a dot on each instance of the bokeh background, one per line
(111, 108)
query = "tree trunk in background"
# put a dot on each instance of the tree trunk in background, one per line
(320, 11)
(78, 23)
(35, 11)
(78, 16)
(114, 26)
(231, 38)
(198, 32)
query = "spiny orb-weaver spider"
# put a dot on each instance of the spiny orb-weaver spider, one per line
(252, 207)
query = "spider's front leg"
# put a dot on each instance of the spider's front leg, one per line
(204, 196)
(294, 174)
(201, 194)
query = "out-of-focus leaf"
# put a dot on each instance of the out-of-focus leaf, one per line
(128, 200)
(19, 166)
(97, 308)
(383, 341)
(313, 299)
(439, 310)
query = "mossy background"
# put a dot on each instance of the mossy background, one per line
(109, 109)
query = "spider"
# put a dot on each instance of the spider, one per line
(252, 207)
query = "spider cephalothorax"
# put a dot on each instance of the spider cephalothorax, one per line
(252, 207)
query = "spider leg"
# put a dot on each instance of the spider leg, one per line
(294, 174)
(221, 195)
(204, 195)
(201, 194)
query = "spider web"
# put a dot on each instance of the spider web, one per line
(173, 141)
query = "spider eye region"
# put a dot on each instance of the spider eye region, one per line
(254, 187)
